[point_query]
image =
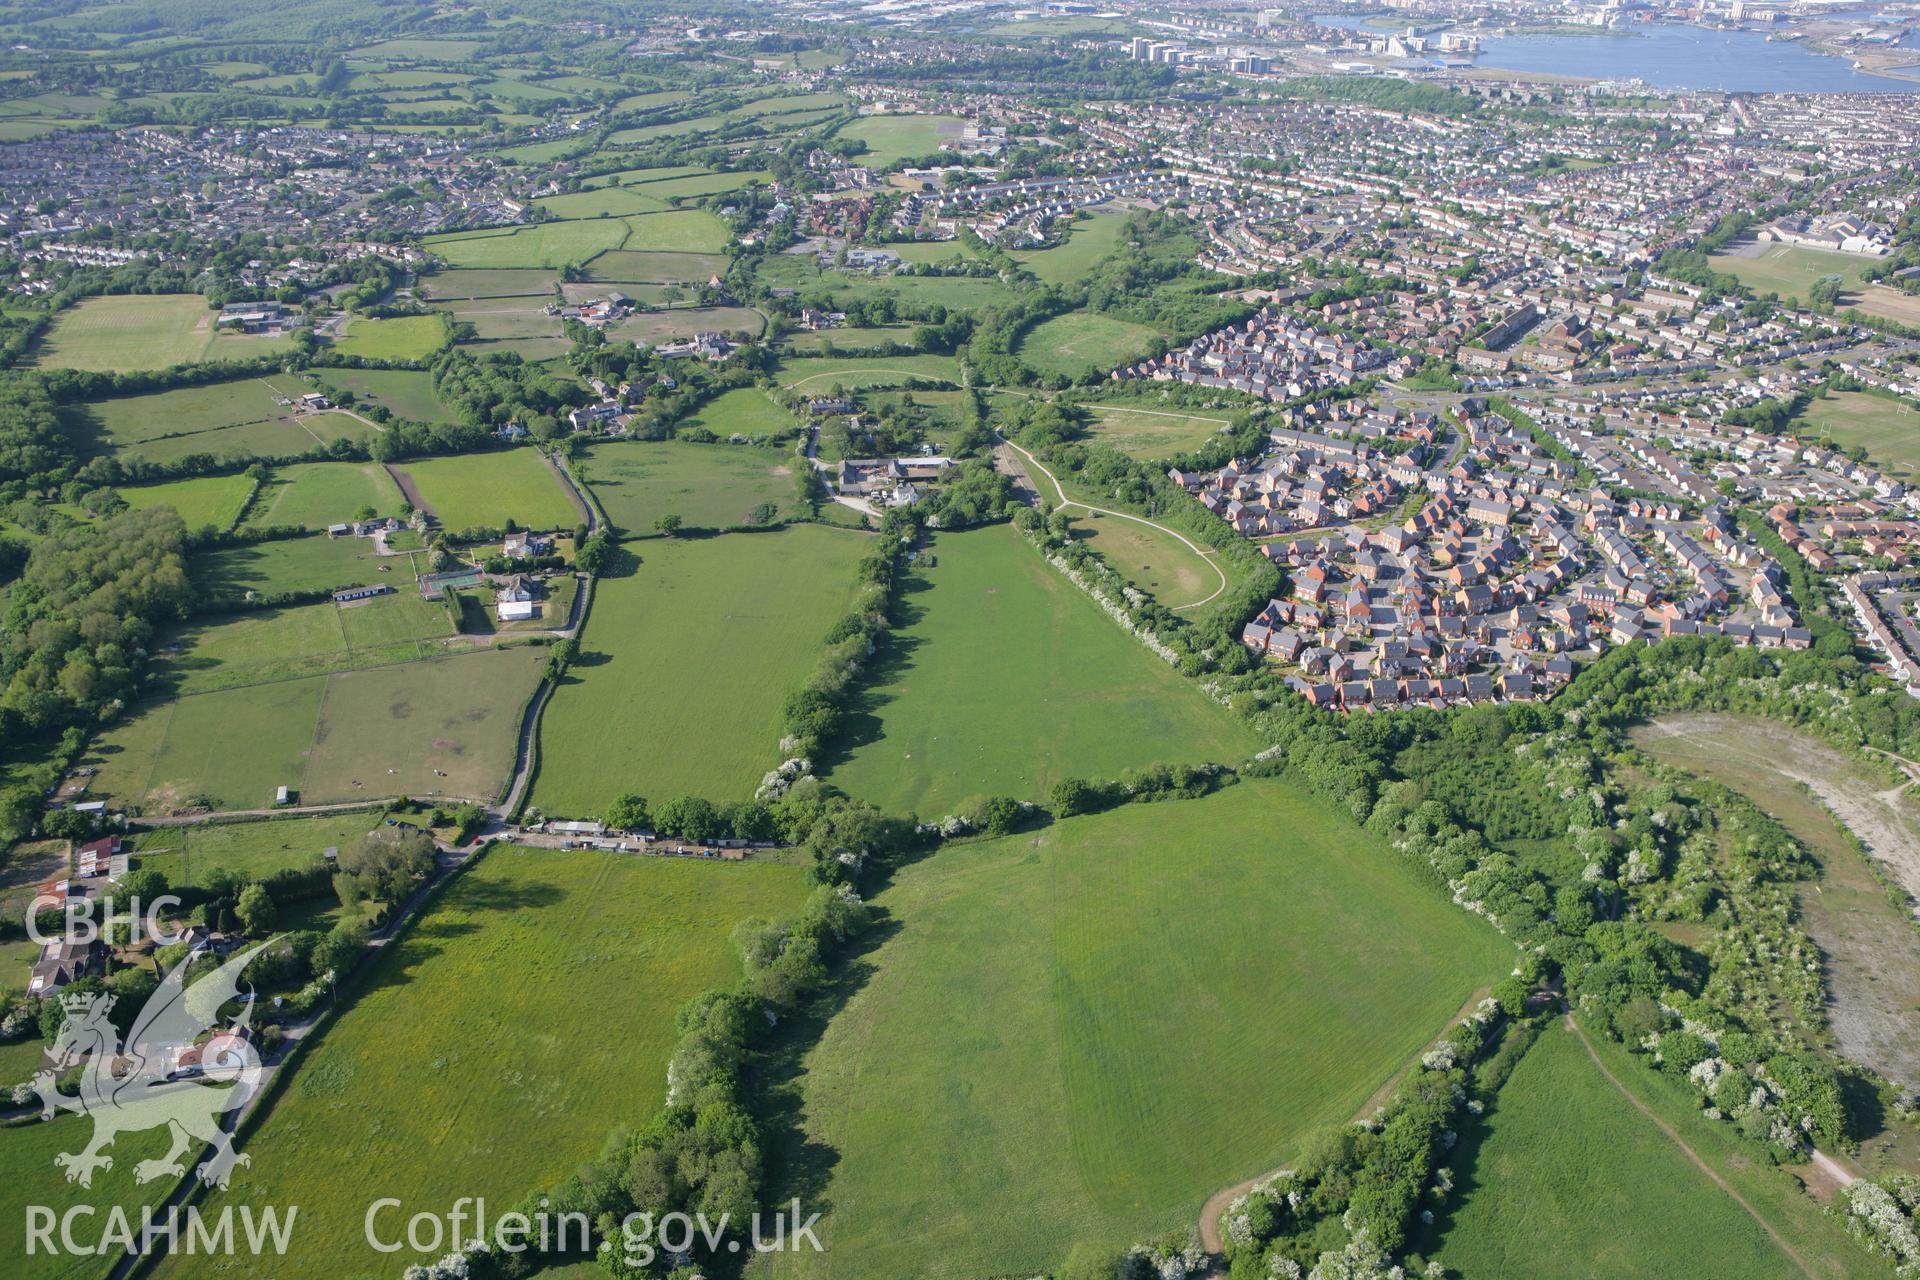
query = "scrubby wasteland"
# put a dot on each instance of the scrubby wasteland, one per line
(969, 639)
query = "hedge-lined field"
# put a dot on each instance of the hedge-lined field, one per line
(472, 490)
(536, 997)
(1566, 1179)
(687, 660)
(709, 486)
(446, 726)
(144, 331)
(1100, 1024)
(952, 712)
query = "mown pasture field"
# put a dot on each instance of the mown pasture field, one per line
(1069, 344)
(406, 393)
(537, 995)
(444, 728)
(394, 338)
(508, 319)
(313, 563)
(814, 374)
(213, 406)
(690, 185)
(264, 645)
(477, 490)
(602, 202)
(656, 327)
(200, 500)
(1151, 434)
(191, 855)
(687, 659)
(744, 411)
(1151, 559)
(947, 714)
(621, 265)
(891, 138)
(545, 244)
(634, 177)
(318, 494)
(144, 331)
(1564, 1178)
(1100, 1024)
(1090, 241)
(803, 272)
(824, 341)
(709, 486)
(682, 231)
(508, 282)
(227, 420)
(447, 726)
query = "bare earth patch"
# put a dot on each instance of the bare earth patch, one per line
(1872, 956)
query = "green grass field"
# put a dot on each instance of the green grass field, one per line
(26, 1163)
(404, 392)
(1151, 434)
(1152, 560)
(949, 714)
(200, 500)
(814, 374)
(495, 319)
(687, 659)
(1564, 1178)
(825, 340)
(621, 265)
(546, 244)
(602, 202)
(687, 186)
(1790, 270)
(1090, 241)
(744, 411)
(226, 420)
(890, 138)
(318, 494)
(397, 338)
(190, 856)
(282, 644)
(311, 563)
(489, 283)
(487, 489)
(1099, 1025)
(144, 331)
(443, 727)
(185, 411)
(709, 486)
(656, 327)
(537, 996)
(682, 231)
(1888, 429)
(1070, 344)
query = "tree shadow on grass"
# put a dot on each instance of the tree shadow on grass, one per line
(864, 721)
(401, 958)
(798, 1165)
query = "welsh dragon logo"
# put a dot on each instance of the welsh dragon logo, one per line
(134, 1087)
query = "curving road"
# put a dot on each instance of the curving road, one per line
(1205, 555)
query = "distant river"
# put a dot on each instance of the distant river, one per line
(1675, 57)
